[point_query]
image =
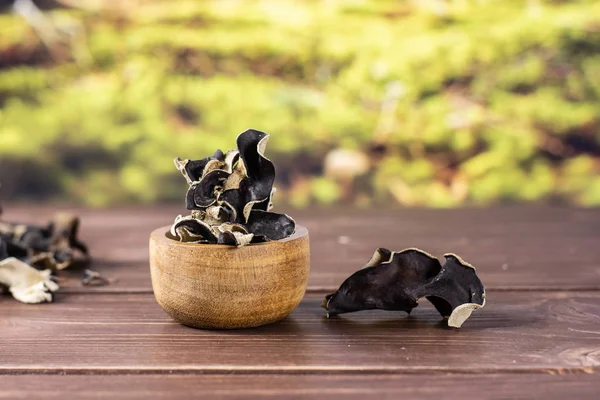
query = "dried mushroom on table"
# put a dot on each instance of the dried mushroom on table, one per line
(230, 197)
(395, 281)
(24, 248)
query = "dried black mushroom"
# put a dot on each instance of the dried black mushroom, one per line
(52, 246)
(234, 234)
(94, 278)
(25, 283)
(202, 194)
(25, 247)
(395, 281)
(193, 170)
(230, 197)
(270, 225)
(192, 230)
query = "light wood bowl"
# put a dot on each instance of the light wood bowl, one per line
(224, 287)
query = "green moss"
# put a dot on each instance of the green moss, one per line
(501, 95)
(325, 190)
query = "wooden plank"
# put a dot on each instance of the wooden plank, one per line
(426, 387)
(540, 331)
(513, 248)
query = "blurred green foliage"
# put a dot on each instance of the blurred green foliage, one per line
(451, 102)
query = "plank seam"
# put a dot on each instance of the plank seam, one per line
(322, 290)
(293, 371)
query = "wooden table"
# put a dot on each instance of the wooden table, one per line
(539, 334)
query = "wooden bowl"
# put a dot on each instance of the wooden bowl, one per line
(224, 287)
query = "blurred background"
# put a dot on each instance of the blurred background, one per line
(415, 103)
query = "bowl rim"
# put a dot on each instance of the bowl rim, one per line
(160, 235)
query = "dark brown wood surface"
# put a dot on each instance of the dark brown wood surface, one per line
(538, 331)
(538, 336)
(277, 386)
(513, 248)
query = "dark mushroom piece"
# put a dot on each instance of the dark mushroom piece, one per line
(24, 246)
(232, 200)
(3, 249)
(388, 285)
(230, 196)
(253, 191)
(36, 238)
(66, 232)
(233, 164)
(234, 235)
(194, 170)
(203, 194)
(192, 230)
(237, 200)
(456, 291)
(25, 283)
(52, 246)
(259, 169)
(94, 278)
(219, 155)
(270, 226)
(12, 249)
(214, 215)
(395, 281)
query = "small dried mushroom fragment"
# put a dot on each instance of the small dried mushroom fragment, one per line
(396, 281)
(230, 196)
(24, 248)
(94, 278)
(193, 170)
(52, 246)
(233, 234)
(25, 283)
(192, 230)
(270, 225)
(203, 194)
